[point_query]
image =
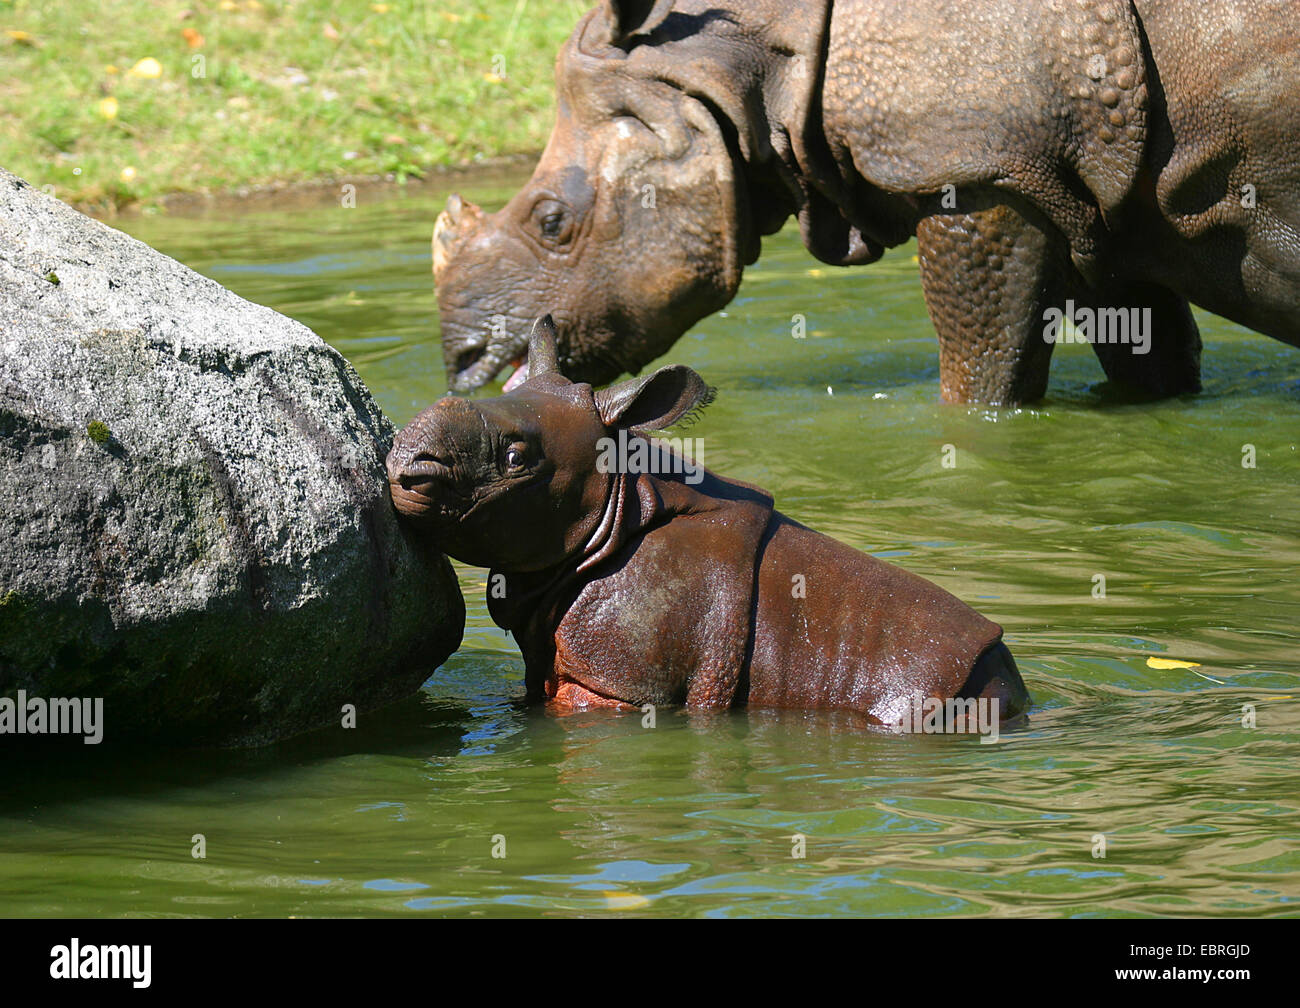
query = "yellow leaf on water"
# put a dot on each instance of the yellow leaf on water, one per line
(147, 68)
(1170, 663)
(616, 900)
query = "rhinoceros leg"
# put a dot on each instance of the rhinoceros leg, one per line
(1172, 364)
(988, 277)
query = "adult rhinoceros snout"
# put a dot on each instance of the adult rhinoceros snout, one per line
(475, 357)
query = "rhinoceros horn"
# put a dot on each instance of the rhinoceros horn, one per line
(542, 355)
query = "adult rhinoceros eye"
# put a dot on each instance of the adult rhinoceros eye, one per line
(553, 221)
(515, 458)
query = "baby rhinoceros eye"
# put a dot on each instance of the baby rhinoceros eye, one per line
(515, 457)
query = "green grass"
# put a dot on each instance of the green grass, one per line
(268, 91)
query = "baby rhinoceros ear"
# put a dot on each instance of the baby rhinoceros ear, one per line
(655, 402)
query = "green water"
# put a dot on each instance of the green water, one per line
(601, 816)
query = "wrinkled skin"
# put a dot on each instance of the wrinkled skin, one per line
(624, 587)
(1116, 154)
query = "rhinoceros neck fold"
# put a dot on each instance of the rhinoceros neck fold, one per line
(533, 604)
(758, 70)
(759, 66)
(631, 505)
(526, 595)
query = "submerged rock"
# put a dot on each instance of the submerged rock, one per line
(194, 517)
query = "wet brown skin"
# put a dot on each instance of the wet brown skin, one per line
(1099, 151)
(626, 589)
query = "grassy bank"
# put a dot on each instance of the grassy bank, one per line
(114, 102)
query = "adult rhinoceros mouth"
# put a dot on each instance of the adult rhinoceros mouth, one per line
(474, 358)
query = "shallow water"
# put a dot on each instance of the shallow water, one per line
(1200, 813)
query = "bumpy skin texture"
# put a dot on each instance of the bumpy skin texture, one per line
(627, 588)
(1118, 154)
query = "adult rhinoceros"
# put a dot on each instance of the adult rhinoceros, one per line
(1092, 157)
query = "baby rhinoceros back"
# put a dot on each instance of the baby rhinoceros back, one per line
(837, 628)
(625, 587)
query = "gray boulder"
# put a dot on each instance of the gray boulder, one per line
(194, 520)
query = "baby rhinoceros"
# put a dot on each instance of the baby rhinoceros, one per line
(624, 586)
